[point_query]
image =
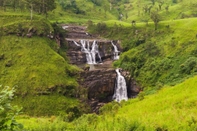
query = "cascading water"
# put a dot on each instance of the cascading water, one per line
(87, 52)
(90, 54)
(76, 43)
(95, 51)
(120, 92)
(116, 56)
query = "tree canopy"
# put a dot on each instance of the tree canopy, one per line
(39, 6)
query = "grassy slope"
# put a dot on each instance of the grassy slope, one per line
(167, 56)
(172, 108)
(33, 67)
(133, 9)
(164, 40)
(92, 12)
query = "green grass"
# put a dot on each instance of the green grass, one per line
(134, 10)
(44, 80)
(31, 63)
(34, 67)
(52, 123)
(172, 108)
(159, 58)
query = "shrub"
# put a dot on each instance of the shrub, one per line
(189, 66)
(8, 112)
(101, 27)
(141, 96)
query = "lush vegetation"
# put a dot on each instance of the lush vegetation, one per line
(154, 57)
(8, 112)
(37, 67)
(159, 42)
(172, 108)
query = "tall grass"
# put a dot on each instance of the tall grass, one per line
(172, 108)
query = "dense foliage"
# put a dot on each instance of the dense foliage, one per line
(42, 6)
(159, 112)
(45, 81)
(8, 112)
(159, 51)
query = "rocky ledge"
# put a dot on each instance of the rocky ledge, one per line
(100, 86)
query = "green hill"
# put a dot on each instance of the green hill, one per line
(173, 108)
(42, 77)
(79, 11)
(156, 58)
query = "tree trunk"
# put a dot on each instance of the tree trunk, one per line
(43, 7)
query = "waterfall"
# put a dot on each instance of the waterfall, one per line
(116, 56)
(76, 43)
(87, 52)
(120, 92)
(95, 51)
(90, 54)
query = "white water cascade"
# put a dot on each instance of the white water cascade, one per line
(90, 54)
(87, 52)
(116, 56)
(120, 92)
(76, 43)
(95, 51)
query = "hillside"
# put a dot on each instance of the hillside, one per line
(155, 57)
(42, 77)
(161, 57)
(172, 108)
(80, 11)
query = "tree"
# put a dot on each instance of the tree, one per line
(42, 6)
(167, 8)
(126, 15)
(153, 2)
(105, 9)
(156, 18)
(145, 18)
(161, 2)
(7, 111)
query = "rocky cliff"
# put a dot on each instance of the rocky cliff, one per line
(99, 80)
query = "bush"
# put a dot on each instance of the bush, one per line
(101, 28)
(189, 66)
(7, 111)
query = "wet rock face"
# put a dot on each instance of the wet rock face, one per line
(101, 83)
(77, 33)
(100, 80)
(77, 57)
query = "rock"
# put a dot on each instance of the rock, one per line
(105, 50)
(98, 80)
(29, 35)
(101, 83)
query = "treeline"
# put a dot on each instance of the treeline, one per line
(70, 5)
(39, 6)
